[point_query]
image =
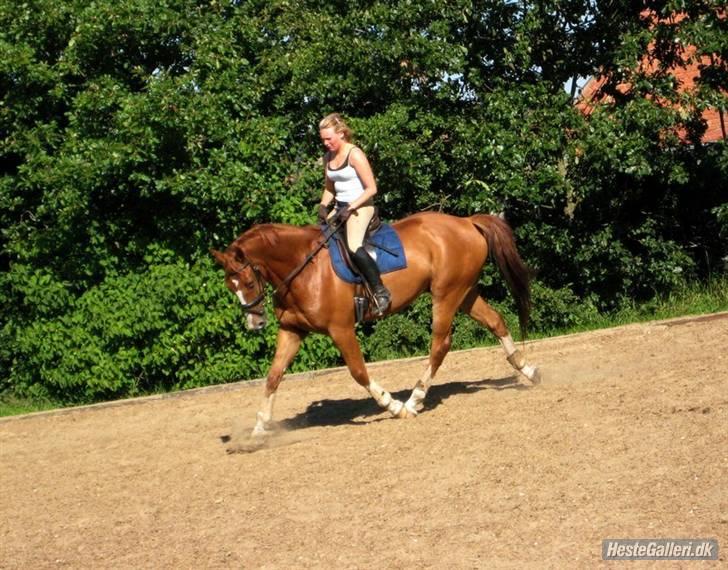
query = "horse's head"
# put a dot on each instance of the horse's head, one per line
(244, 280)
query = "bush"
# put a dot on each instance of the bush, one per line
(402, 335)
(171, 326)
(135, 135)
(559, 309)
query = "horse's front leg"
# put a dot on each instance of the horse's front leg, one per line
(287, 345)
(345, 340)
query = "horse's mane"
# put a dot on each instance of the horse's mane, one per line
(272, 237)
(266, 233)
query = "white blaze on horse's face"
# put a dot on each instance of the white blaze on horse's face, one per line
(238, 293)
(253, 320)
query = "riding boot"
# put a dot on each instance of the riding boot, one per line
(370, 271)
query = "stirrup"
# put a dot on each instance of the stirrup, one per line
(382, 300)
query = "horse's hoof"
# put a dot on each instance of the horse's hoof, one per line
(397, 409)
(246, 446)
(258, 439)
(404, 412)
(410, 410)
(251, 444)
(536, 377)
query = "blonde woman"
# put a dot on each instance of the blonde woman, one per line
(349, 182)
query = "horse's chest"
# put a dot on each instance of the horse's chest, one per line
(294, 317)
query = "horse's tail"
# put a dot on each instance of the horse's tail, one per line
(502, 246)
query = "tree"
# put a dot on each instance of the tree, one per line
(136, 134)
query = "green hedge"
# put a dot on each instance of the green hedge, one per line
(137, 134)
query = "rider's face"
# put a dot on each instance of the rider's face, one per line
(331, 139)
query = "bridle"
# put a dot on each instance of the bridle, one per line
(251, 306)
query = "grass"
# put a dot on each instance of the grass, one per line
(13, 406)
(692, 299)
(696, 299)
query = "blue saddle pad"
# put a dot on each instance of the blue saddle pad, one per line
(384, 246)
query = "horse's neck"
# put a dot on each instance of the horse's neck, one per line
(279, 248)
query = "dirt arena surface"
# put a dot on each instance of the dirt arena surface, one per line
(627, 437)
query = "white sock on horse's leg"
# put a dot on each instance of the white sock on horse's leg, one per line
(264, 416)
(419, 392)
(517, 360)
(384, 399)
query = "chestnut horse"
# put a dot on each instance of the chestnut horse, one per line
(445, 256)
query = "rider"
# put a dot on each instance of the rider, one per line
(350, 181)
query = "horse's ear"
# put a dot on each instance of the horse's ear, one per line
(220, 257)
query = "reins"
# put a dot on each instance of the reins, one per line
(332, 229)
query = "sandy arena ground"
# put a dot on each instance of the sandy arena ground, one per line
(626, 437)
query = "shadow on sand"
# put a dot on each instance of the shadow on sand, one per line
(360, 411)
(328, 413)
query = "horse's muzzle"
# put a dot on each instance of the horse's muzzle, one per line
(255, 322)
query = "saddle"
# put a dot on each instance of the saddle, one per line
(385, 247)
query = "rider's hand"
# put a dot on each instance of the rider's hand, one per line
(323, 212)
(343, 215)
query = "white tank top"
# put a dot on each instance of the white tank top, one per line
(347, 184)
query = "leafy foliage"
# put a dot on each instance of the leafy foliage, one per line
(135, 135)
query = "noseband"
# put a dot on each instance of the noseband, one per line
(249, 307)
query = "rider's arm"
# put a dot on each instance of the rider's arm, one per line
(359, 161)
(328, 194)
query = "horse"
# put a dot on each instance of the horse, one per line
(445, 255)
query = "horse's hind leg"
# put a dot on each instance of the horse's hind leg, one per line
(443, 312)
(475, 306)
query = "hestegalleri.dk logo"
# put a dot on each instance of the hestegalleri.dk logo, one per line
(660, 549)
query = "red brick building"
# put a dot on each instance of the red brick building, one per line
(685, 75)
